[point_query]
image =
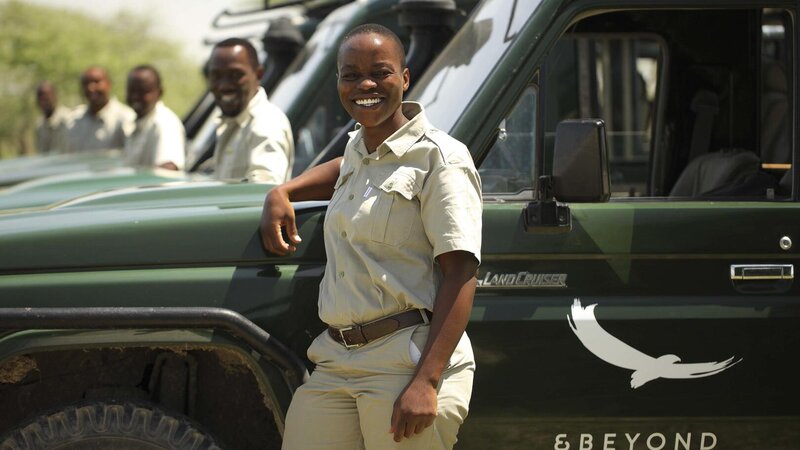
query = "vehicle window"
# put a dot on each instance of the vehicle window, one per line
(613, 77)
(509, 165)
(776, 60)
(688, 114)
(326, 119)
(303, 69)
(309, 138)
(453, 79)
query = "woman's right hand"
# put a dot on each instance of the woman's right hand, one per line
(315, 183)
(277, 213)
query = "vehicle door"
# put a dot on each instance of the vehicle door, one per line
(668, 316)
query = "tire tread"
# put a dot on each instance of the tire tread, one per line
(100, 419)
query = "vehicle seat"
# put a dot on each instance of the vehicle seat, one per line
(714, 170)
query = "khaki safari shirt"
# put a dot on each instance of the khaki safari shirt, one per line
(157, 138)
(256, 145)
(392, 213)
(51, 131)
(103, 131)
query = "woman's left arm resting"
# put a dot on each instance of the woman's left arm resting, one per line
(415, 408)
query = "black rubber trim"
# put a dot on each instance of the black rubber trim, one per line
(231, 322)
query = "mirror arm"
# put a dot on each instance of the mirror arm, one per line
(544, 188)
(545, 214)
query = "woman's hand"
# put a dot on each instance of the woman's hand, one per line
(314, 184)
(277, 213)
(414, 410)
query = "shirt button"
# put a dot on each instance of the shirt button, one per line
(344, 235)
(341, 274)
(351, 197)
(366, 162)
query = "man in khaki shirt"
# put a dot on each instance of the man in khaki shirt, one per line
(254, 138)
(158, 138)
(103, 122)
(51, 127)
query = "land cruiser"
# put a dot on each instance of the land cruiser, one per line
(636, 291)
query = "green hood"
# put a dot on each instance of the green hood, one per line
(27, 168)
(56, 188)
(189, 225)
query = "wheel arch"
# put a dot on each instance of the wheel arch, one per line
(130, 346)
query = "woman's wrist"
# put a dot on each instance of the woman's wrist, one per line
(428, 375)
(281, 191)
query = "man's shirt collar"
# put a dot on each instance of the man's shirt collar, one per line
(246, 114)
(106, 112)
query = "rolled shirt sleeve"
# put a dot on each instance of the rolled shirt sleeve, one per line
(268, 162)
(451, 209)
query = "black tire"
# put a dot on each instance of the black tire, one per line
(103, 426)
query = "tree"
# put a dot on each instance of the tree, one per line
(41, 43)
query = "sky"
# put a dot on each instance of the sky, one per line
(186, 22)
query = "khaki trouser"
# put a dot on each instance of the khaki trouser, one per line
(347, 403)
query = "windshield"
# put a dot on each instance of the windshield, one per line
(306, 65)
(458, 73)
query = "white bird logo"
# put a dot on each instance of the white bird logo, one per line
(645, 367)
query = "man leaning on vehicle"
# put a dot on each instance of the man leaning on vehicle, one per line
(254, 137)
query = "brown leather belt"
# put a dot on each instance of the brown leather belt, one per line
(358, 335)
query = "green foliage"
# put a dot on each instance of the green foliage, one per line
(39, 43)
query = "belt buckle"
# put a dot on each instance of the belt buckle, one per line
(344, 341)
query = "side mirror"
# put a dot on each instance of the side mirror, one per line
(580, 162)
(580, 175)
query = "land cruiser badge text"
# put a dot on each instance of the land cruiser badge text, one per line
(523, 280)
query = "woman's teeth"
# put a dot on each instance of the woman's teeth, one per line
(368, 101)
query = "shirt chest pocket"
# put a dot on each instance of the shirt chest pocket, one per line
(238, 162)
(339, 188)
(343, 177)
(395, 213)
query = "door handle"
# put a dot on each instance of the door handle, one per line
(754, 272)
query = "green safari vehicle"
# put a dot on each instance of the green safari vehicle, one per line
(639, 166)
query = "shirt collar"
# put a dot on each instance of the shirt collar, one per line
(106, 112)
(56, 117)
(247, 113)
(402, 139)
(149, 116)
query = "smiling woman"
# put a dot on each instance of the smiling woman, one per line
(372, 80)
(402, 238)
